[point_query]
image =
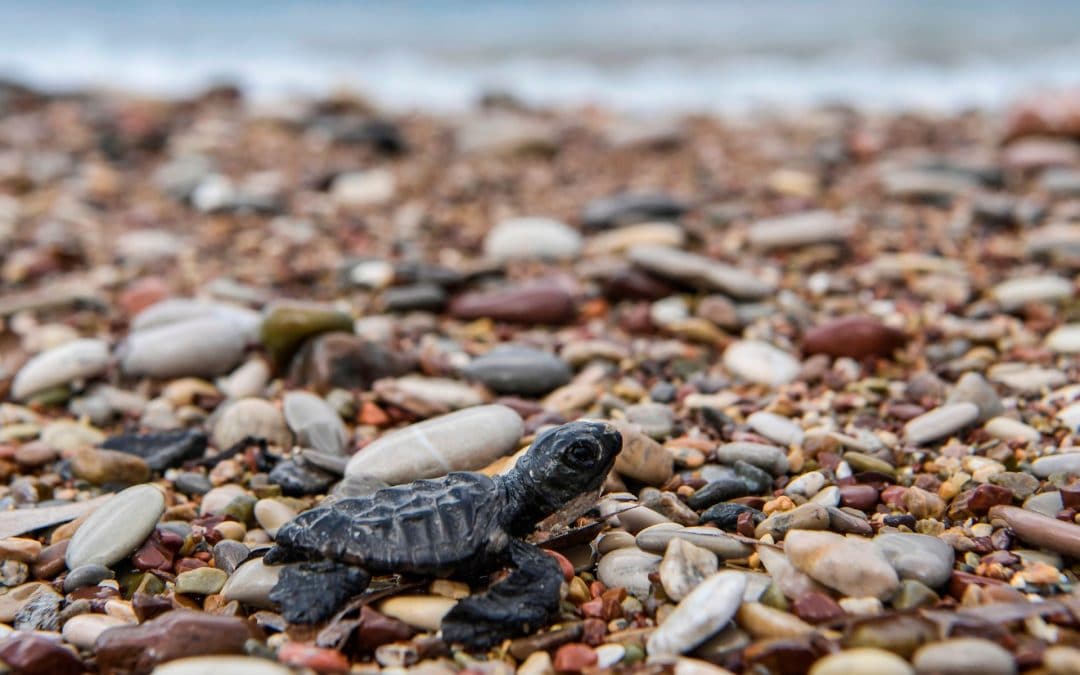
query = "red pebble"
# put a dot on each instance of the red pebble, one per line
(816, 607)
(142, 293)
(302, 655)
(593, 608)
(565, 565)
(574, 657)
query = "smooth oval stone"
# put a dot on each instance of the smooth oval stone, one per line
(1064, 339)
(809, 516)
(767, 457)
(251, 584)
(940, 422)
(201, 581)
(250, 379)
(251, 417)
(86, 575)
(76, 360)
(198, 347)
(113, 531)
(791, 582)
(685, 566)
(1015, 293)
(1008, 429)
(438, 393)
(701, 614)
(630, 207)
(221, 665)
(287, 324)
(800, 229)
(645, 234)
(1046, 503)
(760, 362)
(862, 660)
(178, 310)
(83, 630)
(850, 565)
(776, 428)
(315, 423)
(973, 388)
(520, 371)
(807, 485)
(764, 622)
(531, 303)
(1039, 530)
(532, 238)
(628, 568)
(964, 656)
(642, 458)
(701, 272)
(425, 612)
(465, 440)
(1066, 462)
(925, 559)
(719, 490)
(102, 467)
(656, 538)
(856, 337)
(272, 514)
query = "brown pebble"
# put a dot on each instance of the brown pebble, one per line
(532, 304)
(816, 607)
(574, 657)
(30, 654)
(862, 497)
(378, 629)
(1039, 530)
(856, 337)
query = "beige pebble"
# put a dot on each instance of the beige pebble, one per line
(272, 514)
(862, 660)
(420, 611)
(764, 622)
(83, 630)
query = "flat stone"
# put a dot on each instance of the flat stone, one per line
(528, 303)
(760, 362)
(28, 653)
(767, 457)
(921, 557)
(251, 584)
(179, 310)
(1066, 462)
(520, 371)
(700, 615)
(856, 337)
(631, 207)
(161, 450)
(315, 424)
(1046, 503)
(16, 522)
(622, 239)
(425, 612)
(70, 362)
(222, 665)
(1039, 530)
(251, 417)
(654, 419)
(86, 575)
(940, 422)
(800, 229)
(701, 272)
(766, 623)
(432, 395)
(806, 485)
(809, 516)
(964, 656)
(642, 458)
(83, 630)
(198, 347)
(685, 566)
(532, 238)
(850, 565)
(862, 660)
(973, 388)
(791, 582)
(628, 568)
(1064, 339)
(657, 538)
(1015, 293)
(173, 635)
(116, 529)
(465, 440)
(201, 581)
(776, 428)
(102, 467)
(1026, 378)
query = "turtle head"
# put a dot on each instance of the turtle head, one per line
(562, 463)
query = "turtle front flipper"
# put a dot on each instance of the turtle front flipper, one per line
(518, 605)
(311, 592)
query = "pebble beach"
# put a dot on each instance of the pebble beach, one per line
(841, 347)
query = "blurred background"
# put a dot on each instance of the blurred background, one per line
(645, 56)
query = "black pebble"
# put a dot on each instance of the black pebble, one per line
(726, 515)
(758, 481)
(161, 450)
(719, 490)
(298, 480)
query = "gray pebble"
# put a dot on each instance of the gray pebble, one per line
(86, 575)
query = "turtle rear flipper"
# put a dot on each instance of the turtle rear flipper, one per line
(312, 592)
(518, 605)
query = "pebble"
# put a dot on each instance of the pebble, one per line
(764, 622)
(251, 417)
(923, 558)
(68, 436)
(251, 584)
(628, 568)
(464, 440)
(272, 514)
(862, 660)
(1015, 293)
(529, 303)
(808, 516)
(1046, 503)
(425, 612)
(806, 485)
(17, 522)
(1062, 660)
(315, 424)
(86, 575)
(856, 337)
(622, 239)
(700, 615)
(35, 654)
(1064, 339)
(81, 359)
(800, 229)
(359, 189)
(1039, 530)
(940, 422)
(286, 325)
(438, 394)
(336, 359)
(102, 467)
(767, 457)
(656, 538)
(532, 238)
(83, 630)
(179, 310)
(642, 458)
(201, 581)
(760, 362)
(654, 419)
(684, 566)
(964, 656)
(630, 207)
(519, 371)
(1066, 462)
(218, 499)
(850, 565)
(199, 347)
(973, 388)
(703, 273)
(228, 555)
(221, 665)
(173, 635)
(776, 428)
(161, 450)
(791, 582)
(113, 531)
(1008, 429)
(574, 657)
(608, 655)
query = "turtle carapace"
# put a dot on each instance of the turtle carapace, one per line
(462, 525)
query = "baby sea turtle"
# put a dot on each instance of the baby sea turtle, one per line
(462, 525)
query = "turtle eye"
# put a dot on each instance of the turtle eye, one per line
(581, 454)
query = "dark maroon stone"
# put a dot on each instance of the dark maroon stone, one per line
(527, 303)
(816, 607)
(978, 501)
(29, 654)
(378, 629)
(853, 336)
(862, 497)
(635, 284)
